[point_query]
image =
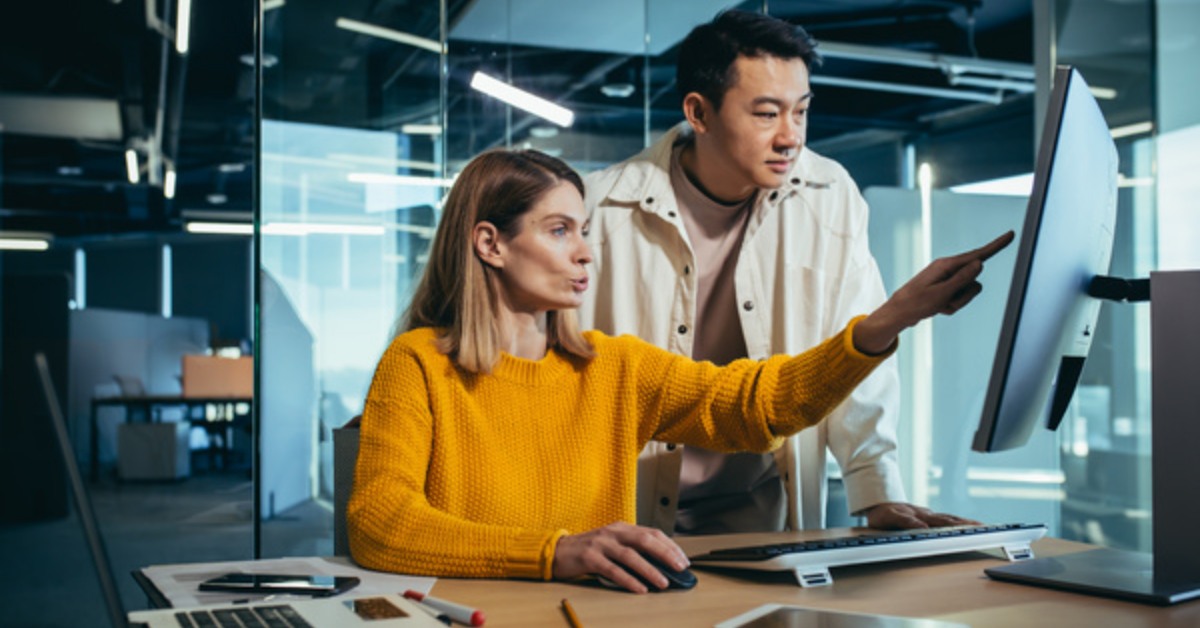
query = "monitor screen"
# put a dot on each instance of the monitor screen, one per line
(1050, 320)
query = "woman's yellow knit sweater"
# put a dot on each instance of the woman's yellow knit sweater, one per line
(469, 475)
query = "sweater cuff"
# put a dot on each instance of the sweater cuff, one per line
(531, 555)
(852, 351)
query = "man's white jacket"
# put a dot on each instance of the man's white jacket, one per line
(803, 272)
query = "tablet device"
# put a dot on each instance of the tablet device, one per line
(783, 616)
(316, 586)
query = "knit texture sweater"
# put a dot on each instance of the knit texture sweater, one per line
(471, 475)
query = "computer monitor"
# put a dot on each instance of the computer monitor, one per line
(1047, 330)
(1066, 241)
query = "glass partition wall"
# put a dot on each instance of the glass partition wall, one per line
(370, 109)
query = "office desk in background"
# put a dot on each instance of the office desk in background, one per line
(149, 404)
(950, 588)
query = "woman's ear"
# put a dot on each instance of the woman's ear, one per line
(486, 240)
(696, 109)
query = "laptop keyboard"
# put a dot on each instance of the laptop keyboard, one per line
(280, 616)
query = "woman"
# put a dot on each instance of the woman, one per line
(499, 441)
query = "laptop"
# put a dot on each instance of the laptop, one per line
(377, 611)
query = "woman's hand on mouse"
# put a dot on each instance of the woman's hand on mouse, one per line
(614, 551)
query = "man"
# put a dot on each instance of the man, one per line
(729, 239)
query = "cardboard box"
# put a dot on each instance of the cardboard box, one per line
(211, 376)
(153, 451)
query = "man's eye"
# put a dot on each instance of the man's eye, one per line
(770, 115)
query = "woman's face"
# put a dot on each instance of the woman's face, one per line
(542, 267)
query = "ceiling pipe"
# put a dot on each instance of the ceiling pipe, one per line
(950, 65)
(993, 98)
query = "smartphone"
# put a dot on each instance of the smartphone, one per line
(315, 586)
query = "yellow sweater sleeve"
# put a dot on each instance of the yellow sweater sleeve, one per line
(390, 524)
(750, 405)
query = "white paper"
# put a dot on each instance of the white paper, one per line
(180, 583)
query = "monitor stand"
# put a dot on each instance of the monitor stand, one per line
(1172, 573)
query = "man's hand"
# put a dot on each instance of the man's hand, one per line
(900, 516)
(612, 550)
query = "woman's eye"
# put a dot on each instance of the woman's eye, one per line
(559, 231)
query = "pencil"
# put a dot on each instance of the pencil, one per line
(572, 618)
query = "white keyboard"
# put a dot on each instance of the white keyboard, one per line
(811, 560)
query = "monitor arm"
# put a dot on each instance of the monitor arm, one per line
(1118, 289)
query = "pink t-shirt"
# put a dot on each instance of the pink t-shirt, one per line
(720, 492)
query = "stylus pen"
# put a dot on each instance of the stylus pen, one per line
(457, 612)
(569, 611)
(432, 612)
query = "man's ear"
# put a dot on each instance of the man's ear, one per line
(696, 109)
(486, 240)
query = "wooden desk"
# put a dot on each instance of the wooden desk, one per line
(951, 588)
(148, 403)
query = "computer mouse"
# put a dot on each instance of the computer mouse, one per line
(683, 579)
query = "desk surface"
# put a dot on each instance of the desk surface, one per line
(951, 588)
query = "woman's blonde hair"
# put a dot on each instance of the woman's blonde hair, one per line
(456, 292)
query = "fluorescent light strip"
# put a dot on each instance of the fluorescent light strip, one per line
(23, 244)
(411, 164)
(80, 279)
(1103, 93)
(1132, 129)
(303, 229)
(1134, 182)
(284, 228)
(166, 287)
(522, 99)
(183, 23)
(272, 4)
(169, 183)
(421, 129)
(398, 179)
(220, 228)
(131, 166)
(387, 33)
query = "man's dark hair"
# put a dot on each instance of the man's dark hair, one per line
(707, 54)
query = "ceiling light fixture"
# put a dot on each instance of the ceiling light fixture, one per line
(183, 26)
(617, 90)
(387, 33)
(522, 99)
(421, 129)
(1103, 93)
(23, 244)
(324, 228)
(24, 241)
(1132, 129)
(398, 179)
(219, 228)
(169, 183)
(132, 169)
(272, 4)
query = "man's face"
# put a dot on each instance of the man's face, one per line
(760, 128)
